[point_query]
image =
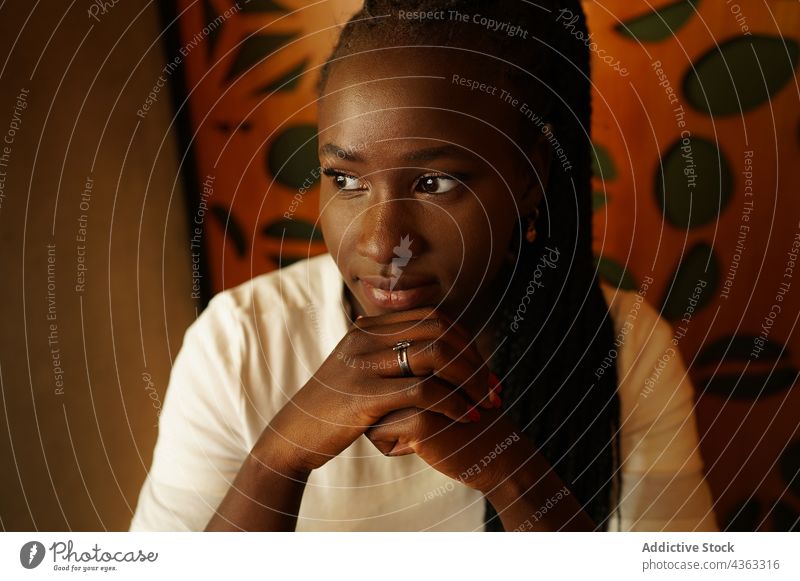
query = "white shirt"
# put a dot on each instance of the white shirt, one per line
(257, 344)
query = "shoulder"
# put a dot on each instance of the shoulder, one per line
(654, 384)
(305, 282)
(659, 449)
(641, 335)
(635, 320)
(262, 306)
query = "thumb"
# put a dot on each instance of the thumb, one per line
(392, 434)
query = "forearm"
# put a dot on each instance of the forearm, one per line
(265, 496)
(534, 498)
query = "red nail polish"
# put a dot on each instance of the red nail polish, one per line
(494, 383)
(474, 414)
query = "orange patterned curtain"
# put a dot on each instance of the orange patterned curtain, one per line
(696, 130)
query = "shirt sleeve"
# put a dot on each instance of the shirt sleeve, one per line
(663, 484)
(200, 447)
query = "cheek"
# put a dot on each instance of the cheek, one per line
(486, 233)
(476, 242)
(337, 228)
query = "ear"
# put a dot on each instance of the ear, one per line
(536, 174)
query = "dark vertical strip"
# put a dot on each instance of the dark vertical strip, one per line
(171, 44)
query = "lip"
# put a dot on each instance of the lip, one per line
(409, 294)
(403, 282)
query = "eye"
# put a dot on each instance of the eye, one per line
(343, 181)
(436, 184)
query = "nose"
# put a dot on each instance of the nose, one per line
(389, 230)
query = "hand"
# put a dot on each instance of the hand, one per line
(361, 381)
(482, 455)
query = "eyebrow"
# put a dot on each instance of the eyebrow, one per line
(431, 153)
(334, 150)
(418, 155)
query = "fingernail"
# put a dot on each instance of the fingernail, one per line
(359, 317)
(494, 383)
(474, 414)
(495, 399)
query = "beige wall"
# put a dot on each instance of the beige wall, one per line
(75, 460)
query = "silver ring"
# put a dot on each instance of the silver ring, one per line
(402, 357)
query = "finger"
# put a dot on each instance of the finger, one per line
(460, 363)
(387, 330)
(387, 336)
(440, 359)
(393, 434)
(430, 393)
(384, 436)
(429, 329)
(414, 315)
(397, 433)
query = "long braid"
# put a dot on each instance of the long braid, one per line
(570, 413)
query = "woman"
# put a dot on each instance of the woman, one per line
(453, 363)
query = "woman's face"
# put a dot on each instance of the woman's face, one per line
(422, 183)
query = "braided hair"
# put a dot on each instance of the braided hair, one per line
(549, 353)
